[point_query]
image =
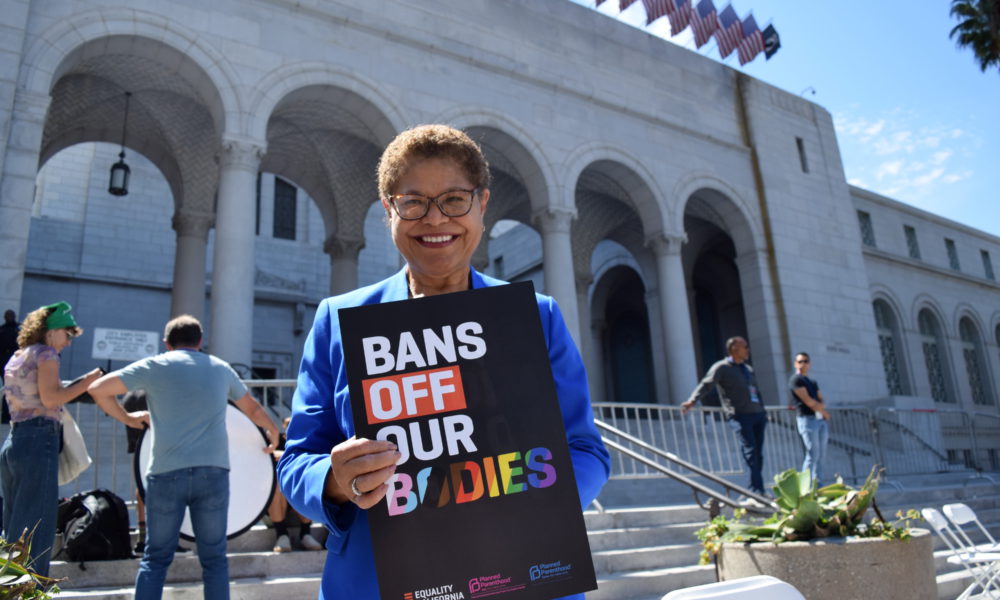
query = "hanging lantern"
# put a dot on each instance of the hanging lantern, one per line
(118, 186)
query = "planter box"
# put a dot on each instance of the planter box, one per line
(840, 568)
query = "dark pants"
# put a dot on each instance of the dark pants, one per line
(751, 434)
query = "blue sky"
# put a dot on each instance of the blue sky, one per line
(916, 119)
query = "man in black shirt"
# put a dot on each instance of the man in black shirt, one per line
(813, 419)
(736, 385)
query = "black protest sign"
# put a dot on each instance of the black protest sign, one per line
(483, 502)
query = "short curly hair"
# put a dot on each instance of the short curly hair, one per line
(33, 327)
(431, 141)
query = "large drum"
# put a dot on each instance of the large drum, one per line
(251, 474)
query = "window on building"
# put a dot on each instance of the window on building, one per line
(888, 342)
(867, 231)
(911, 241)
(987, 264)
(952, 254)
(803, 159)
(975, 366)
(934, 356)
(284, 209)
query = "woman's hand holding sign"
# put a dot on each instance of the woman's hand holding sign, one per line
(363, 465)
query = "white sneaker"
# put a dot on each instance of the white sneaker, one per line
(309, 542)
(747, 501)
(283, 544)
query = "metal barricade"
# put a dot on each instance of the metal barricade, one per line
(704, 438)
(107, 444)
(986, 437)
(914, 441)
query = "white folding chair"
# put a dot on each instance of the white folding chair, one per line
(758, 587)
(982, 566)
(961, 515)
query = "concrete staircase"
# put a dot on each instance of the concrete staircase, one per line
(643, 546)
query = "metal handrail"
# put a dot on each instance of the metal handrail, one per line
(696, 487)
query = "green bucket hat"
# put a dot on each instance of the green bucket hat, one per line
(60, 317)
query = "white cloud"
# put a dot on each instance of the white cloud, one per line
(905, 155)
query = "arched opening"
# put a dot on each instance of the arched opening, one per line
(715, 282)
(890, 346)
(935, 357)
(975, 362)
(628, 364)
(100, 252)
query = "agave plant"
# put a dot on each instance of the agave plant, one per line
(806, 512)
(17, 580)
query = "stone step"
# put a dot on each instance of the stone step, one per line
(255, 588)
(650, 583)
(186, 568)
(636, 537)
(645, 558)
(643, 516)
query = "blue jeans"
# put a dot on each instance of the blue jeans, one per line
(751, 433)
(815, 434)
(205, 492)
(29, 469)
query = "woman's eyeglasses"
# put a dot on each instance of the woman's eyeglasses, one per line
(413, 207)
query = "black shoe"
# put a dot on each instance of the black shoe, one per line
(140, 546)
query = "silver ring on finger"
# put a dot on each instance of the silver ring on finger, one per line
(354, 488)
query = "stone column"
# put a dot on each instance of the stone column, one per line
(557, 255)
(343, 253)
(676, 316)
(188, 296)
(17, 192)
(234, 265)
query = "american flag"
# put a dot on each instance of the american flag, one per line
(656, 9)
(680, 16)
(704, 22)
(752, 43)
(623, 4)
(730, 31)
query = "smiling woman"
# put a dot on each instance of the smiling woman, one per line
(434, 186)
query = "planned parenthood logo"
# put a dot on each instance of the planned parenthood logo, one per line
(548, 572)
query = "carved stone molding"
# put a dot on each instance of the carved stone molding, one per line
(193, 224)
(343, 247)
(270, 280)
(241, 154)
(664, 244)
(554, 220)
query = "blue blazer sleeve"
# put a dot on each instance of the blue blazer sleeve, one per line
(322, 420)
(591, 463)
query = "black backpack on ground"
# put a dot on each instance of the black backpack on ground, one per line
(94, 526)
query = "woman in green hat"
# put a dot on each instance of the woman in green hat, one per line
(29, 458)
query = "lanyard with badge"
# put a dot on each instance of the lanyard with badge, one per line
(749, 379)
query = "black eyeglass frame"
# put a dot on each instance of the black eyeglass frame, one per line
(436, 200)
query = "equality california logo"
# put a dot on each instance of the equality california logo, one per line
(441, 592)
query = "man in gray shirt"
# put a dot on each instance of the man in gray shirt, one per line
(736, 385)
(187, 393)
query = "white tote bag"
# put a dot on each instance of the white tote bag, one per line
(73, 459)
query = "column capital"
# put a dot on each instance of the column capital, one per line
(554, 219)
(664, 243)
(195, 224)
(242, 154)
(343, 247)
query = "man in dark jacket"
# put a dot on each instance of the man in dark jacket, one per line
(736, 385)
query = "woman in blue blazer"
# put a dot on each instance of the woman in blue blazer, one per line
(434, 185)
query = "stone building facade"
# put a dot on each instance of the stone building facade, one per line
(666, 201)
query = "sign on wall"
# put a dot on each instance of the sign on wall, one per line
(124, 344)
(483, 502)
